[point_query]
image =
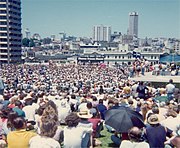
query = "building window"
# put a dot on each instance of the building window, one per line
(151, 57)
(123, 57)
(107, 56)
(115, 57)
(119, 57)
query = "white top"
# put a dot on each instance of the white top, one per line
(129, 144)
(73, 136)
(43, 142)
(30, 112)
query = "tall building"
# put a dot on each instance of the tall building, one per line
(133, 24)
(10, 31)
(101, 33)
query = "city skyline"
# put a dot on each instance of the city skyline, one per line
(157, 18)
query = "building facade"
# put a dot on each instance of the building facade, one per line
(10, 31)
(133, 24)
(101, 33)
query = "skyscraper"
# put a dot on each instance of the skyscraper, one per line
(101, 33)
(133, 24)
(10, 31)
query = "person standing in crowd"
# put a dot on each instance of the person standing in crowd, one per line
(101, 108)
(170, 89)
(142, 90)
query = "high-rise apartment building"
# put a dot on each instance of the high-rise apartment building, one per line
(10, 31)
(133, 24)
(101, 33)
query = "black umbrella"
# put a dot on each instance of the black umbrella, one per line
(123, 118)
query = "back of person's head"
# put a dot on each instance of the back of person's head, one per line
(141, 83)
(19, 123)
(171, 81)
(171, 113)
(135, 134)
(155, 110)
(18, 103)
(89, 105)
(116, 102)
(50, 112)
(48, 126)
(52, 104)
(130, 102)
(100, 101)
(41, 109)
(72, 120)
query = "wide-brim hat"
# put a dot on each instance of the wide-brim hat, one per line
(28, 97)
(85, 114)
(153, 119)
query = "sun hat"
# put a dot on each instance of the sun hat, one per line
(153, 119)
(85, 114)
(28, 97)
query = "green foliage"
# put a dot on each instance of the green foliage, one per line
(28, 42)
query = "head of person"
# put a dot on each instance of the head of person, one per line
(72, 120)
(135, 134)
(50, 112)
(19, 123)
(48, 126)
(153, 120)
(171, 81)
(18, 104)
(155, 110)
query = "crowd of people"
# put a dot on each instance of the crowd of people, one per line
(65, 105)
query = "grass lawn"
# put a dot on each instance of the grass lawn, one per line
(106, 139)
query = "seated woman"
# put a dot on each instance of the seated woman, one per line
(74, 134)
(48, 128)
(135, 140)
(20, 137)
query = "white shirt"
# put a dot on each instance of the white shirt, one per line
(30, 112)
(73, 136)
(43, 142)
(129, 144)
(170, 88)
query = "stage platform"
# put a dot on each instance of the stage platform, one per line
(153, 78)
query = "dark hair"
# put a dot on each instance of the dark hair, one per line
(19, 122)
(53, 105)
(170, 81)
(18, 103)
(72, 120)
(155, 110)
(89, 105)
(40, 110)
(100, 101)
(11, 116)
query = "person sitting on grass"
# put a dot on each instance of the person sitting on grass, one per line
(135, 139)
(20, 137)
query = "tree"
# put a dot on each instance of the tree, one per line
(25, 42)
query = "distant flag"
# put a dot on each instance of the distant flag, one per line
(136, 54)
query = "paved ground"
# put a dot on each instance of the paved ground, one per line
(152, 78)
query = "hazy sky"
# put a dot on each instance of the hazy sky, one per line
(157, 18)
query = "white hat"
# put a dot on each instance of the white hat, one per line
(84, 114)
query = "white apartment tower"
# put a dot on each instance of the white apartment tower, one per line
(102, 33)
(10, 31)
(133, 24)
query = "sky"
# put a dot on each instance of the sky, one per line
(157, 18)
